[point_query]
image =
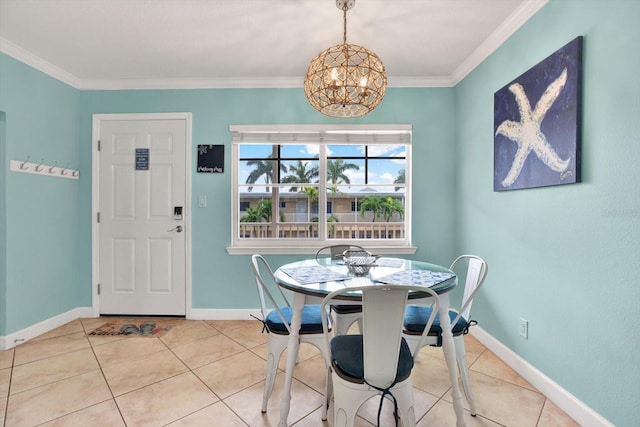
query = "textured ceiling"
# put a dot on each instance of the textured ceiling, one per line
(250, 43)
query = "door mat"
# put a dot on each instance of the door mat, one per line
(147, 327)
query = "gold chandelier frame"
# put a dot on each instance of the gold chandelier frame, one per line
(345, 80)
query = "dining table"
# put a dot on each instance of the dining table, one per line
(313, 279)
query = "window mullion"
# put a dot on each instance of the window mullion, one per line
(322, 192)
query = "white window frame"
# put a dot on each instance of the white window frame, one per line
(324, 135)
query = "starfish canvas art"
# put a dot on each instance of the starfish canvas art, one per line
(537, 124)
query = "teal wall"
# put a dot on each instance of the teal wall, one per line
(565, 258)
(561, 257)
(39, 272)
(220, 280)
(3, 220)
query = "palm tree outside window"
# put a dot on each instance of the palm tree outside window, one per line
(281, 179)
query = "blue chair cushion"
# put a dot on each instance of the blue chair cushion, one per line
(416, 317)
(346, 308)
(347, 354)
(311, 320)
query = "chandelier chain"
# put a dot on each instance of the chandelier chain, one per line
(344, 19)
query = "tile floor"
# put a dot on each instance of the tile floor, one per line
(211, 373)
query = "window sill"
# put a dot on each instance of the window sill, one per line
(298, 250)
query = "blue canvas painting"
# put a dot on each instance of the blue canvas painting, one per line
(537, 124)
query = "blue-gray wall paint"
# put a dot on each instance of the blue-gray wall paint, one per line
(561, 257)
(3, 219)
(40, 265)
(223, 281)
(565, 258)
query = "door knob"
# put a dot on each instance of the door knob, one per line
(177, 228)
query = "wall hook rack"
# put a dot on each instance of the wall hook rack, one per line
(43, 169)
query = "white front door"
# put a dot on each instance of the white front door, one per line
(142, 207)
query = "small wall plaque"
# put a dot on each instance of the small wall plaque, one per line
(210, 158)
(142, 159)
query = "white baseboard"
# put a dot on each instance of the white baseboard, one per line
(570, 404)
(223, 314)
(24, 335)
(9, 341)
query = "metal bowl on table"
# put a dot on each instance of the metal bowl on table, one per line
(358, 262)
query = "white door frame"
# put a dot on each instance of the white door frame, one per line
(95, 197)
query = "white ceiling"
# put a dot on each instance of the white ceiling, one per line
(119, 44)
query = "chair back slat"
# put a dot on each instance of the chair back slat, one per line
(383, 313)
(476, 273)
(262, 270)
(382, 340)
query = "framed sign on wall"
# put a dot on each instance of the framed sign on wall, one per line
(210, 158)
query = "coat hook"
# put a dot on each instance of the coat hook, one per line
(22, 165)
(38, 166)
(74, 173)
(52, 167)
(63, 171)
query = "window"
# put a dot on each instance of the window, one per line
(358, 173)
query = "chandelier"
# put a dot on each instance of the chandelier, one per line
(345, 80)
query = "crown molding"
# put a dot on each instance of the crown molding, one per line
(26, 57)
(495, 40)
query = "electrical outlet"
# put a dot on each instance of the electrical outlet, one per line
(524, 328)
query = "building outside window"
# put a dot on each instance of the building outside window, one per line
(359, 173)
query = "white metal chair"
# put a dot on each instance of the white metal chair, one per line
(416, 319)
(276, 318)
(344, 315)
(376, 362)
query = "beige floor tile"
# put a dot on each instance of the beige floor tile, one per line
(66, 329)
(40, 349)
(232, 374)
(46, 371)
(52, 401)
(5, 380)
(472, 346)
(474, 349)
(552, 416)
(314, 419)
(306, 351)
(127, 349)
(312, 373)
(249, 336)
(187, 332)
(91, 323)
(129, 375)
(369, 410)
(3, 405)
(6, 358)
(103, 414)
(443, 415)
(430, 375)
(97, 340)
(489, 364)
(504, 403)
(207, 350)
(56, 380)
(247, 403)
(227, 325)
(217, 414)
(165, 402)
